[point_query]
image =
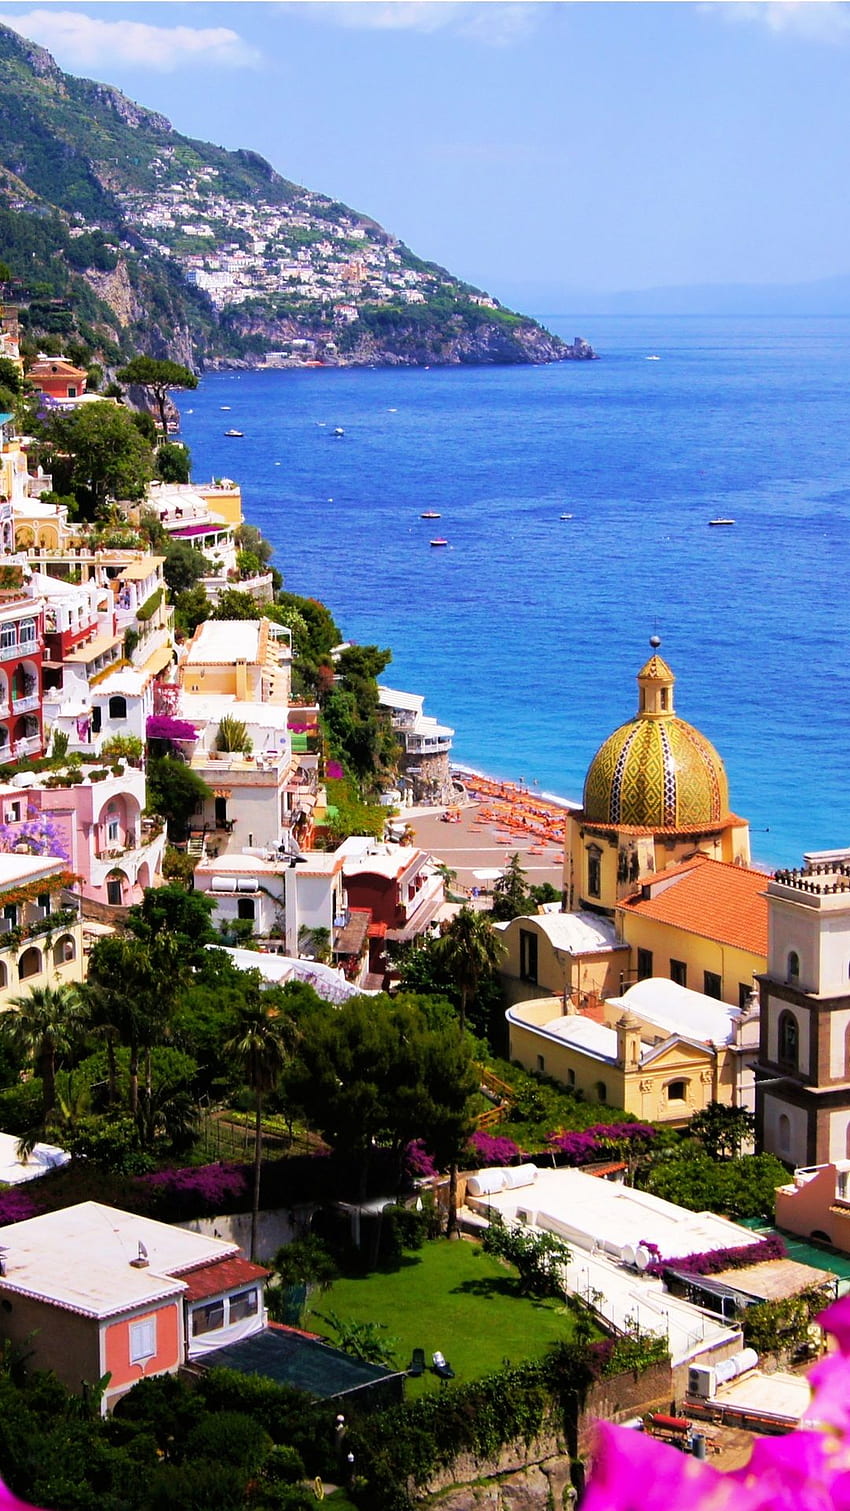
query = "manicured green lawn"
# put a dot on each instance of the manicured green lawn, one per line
(453, 1297)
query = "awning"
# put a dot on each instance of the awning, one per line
(351, 939)
(158, 661)
(222, 792)
(97, 647)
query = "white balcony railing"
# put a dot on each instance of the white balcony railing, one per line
(31, 746)
(25, 705)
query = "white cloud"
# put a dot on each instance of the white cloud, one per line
(494, 22)
(817, 20)
(78, 41)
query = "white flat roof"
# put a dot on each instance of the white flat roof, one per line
(224, 642)
(328, 983)
(209, 708)
(678, 1010)
(582, 1033)
(80, 1258)
(15, 869)
(42, 1157)
(609, 1215)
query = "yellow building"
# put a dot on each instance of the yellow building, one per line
(41, 941)
(655, 794)
(617, 1066)
(576, 957)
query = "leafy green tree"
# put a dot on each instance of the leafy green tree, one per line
(45, 1025)
(510, 896)
(722, 1130)
(98, 454)
(743, 1187)
(10, 376)
(184, 566)
(539, 1257)
(145, 424)
(174, 912)
(174, 791)
(191, 609)
(376, 1073)
(233, 604)
(173, 462)
(159, 377)
(299, 1267)
(260, 1048)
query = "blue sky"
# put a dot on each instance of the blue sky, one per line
(528, 147)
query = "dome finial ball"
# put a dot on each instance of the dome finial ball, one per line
(655, 641)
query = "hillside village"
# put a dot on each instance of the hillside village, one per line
(229, 901)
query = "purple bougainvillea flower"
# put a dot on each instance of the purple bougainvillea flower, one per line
(799, 1472)
(633, 1472)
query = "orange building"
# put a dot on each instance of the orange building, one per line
(91, 1290)
(57, 378)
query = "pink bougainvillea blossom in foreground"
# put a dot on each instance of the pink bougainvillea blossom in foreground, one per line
(807, 1470)
(10, 1502)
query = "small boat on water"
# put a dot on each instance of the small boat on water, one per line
(653, 358)
(721, 521)
(337, 430)
(430, 514)
(566, 516)
(439, 541)
(238, 433)
(224, 407)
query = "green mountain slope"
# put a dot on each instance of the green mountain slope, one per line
(129, 236)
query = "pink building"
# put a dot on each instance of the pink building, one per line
(816, 1204)
(98, 823)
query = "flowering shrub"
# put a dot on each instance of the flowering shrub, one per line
(492, 1148)
(808, 1470)
(580, 1148)
(16, 1206)
(37, 835)
(198, 1191)
(712, 1261)
(418, 1162)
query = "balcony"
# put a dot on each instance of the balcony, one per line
(13, 652)
(31, 746)
(26, 705)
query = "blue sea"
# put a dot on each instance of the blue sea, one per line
(525, 633)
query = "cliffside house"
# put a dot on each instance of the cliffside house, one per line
(91, 1290)
(41, 941)
(57, 378)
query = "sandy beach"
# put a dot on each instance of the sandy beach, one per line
(496, 821)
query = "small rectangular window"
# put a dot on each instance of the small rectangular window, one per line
(644, 964)
(679, 972)
(712, 985)
(541, 1064)
(142, 1340)
(243, 1304)
(208, 1319)
(96, 719)
(745, 990)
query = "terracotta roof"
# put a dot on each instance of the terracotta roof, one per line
(220, 1276)
(711, 898)
(727, 820)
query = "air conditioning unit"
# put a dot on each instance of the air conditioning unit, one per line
(701, 1382)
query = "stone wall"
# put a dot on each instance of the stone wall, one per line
(539, 1476)
(431, 778)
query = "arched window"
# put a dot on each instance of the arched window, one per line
(117, 706)
(64, 950)
(789, 1041)
(4, 974)
(26, 632)
(784, 1133)
(571, 1078)
(793, 966)
(601, 1091)
(29, 963)
(677, 1091)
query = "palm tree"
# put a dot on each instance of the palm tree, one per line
(260, 1049)
(43, 1026)
(469, 950)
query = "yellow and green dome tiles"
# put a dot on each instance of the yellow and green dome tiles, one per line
(656, 773)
